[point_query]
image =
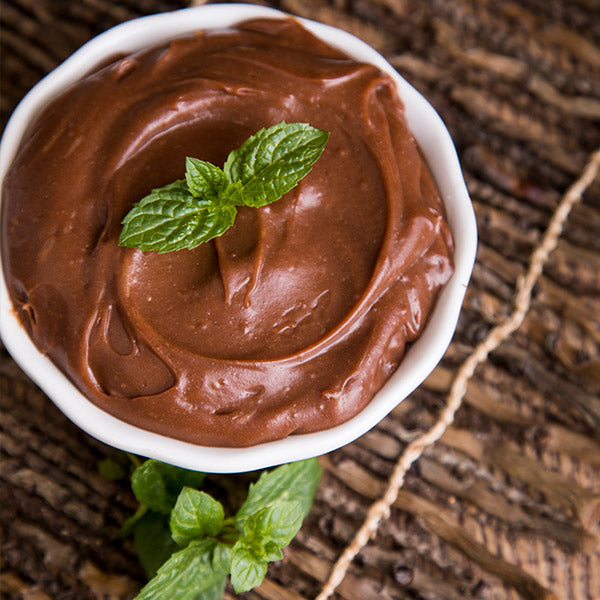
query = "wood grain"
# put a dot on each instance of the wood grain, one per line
(506, 505)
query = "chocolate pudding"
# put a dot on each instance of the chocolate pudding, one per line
(289, 322)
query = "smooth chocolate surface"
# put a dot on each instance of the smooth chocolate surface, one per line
(295, 317)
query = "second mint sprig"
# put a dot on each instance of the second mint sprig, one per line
(188, 212)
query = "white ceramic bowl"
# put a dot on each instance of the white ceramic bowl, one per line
(418, 362)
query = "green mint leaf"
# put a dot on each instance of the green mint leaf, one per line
(215, 592)
(222, 558)
(247, 569)
(110, 469)
(195, 514)
(204, 180)
(272, 552)
(234, 194)
(277, 523)
(186, 575)
(171, 218)
(158, 484)
(152, 541)
(274, 160)
(294, 481)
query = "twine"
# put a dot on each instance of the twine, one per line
(380, 510)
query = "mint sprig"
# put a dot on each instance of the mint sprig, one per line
(190, 211)
(187, 545)
(157, 484)
(195, 514)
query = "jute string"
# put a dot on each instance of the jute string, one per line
(380, 510)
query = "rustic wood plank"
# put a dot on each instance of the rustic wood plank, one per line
(507, 503)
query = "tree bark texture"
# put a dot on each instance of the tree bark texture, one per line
(507, 504)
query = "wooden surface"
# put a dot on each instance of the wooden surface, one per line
(507, 504)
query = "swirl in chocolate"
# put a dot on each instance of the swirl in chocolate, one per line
(296, 316)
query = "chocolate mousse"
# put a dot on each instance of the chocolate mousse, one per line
(293, 319)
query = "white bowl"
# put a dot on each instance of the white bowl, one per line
(420, 359)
